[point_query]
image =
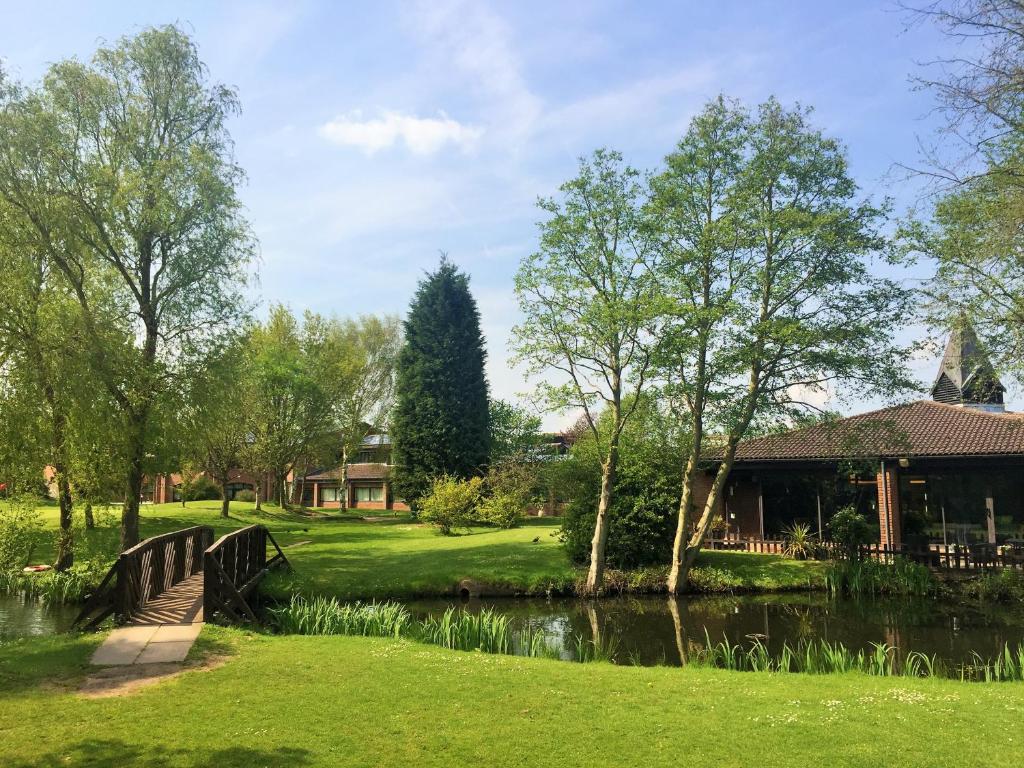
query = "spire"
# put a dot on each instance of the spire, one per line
(966, 377)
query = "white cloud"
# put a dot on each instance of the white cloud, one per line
(421, 135)
(469, 38)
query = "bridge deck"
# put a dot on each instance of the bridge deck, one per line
(181, 604)
(163, 631)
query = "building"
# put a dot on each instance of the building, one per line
(366, 480)
(939, 472)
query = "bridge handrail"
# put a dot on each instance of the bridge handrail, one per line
(141, 573)
(232, 568)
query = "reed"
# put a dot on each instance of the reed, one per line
(326, 616)
(51, 587)
(870, 577)
(880, 660)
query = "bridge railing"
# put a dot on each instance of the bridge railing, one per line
(144, 572)
(232, 569)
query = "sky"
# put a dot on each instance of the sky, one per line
(377, 135)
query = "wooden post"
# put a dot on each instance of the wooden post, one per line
(990, 515)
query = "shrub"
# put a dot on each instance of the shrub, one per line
(799, 542)
(21, 529)
(450, 503)
(998, 586)
(850, 531)
(199, 488)
(501, 509)
(245, 495)
(707, 579)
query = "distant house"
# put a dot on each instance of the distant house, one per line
(936, 473)
(367, 480)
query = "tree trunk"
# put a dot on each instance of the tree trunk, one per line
(343, 482)
(683, 525)
(90, 521)
(130, 512)
(258, 487)
(225, 504)
(595, 577)
(707, 516)
(65, 539)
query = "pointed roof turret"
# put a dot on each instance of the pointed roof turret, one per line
(966, 377)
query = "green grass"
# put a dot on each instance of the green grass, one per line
(324, 701)
(349, 558)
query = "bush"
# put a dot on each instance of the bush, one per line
(451, 503)
(850, 531)
(21, 529)
(501, 509)
(799, 542)
(245, 495)
(870, 577)
(199, 488)
(998, 586)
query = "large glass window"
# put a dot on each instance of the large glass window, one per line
(328, 494)
(369, 493)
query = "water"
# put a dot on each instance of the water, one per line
(21, 617)
(654, 630)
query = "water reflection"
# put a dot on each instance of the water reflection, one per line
(653, 630)
(23, 617)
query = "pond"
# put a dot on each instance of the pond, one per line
(654, 630)
(22, 617)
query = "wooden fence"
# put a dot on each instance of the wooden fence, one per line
(955, 557)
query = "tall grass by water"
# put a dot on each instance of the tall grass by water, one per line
(870, 577)
(488, 630)
(820, 657)
(50, 587)
(326, 616)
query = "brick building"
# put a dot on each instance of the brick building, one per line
(944, 471)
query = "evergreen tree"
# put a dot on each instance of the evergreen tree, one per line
(441, 423)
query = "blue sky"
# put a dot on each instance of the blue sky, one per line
(377, 134)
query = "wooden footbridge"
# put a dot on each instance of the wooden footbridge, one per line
(184, 577)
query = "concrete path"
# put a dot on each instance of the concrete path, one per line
(163, 631)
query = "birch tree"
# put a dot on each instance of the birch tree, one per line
(768, 270)
(585, 296)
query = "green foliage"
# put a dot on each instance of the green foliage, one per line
(440, 425)
(501, 509)
(645, 498)
(20, 532)
(850, 531)
(711, 579)
(800, 542)
(451, 503)
(995, 586)
(245, 495)
(199, 488)
(515, 433)
(870, 577)
(326, 616)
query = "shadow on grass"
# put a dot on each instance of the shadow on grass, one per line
(103, 752)
(29, 662)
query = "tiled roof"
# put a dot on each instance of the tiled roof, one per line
(922, 428)
(367, 471)
(355, 472)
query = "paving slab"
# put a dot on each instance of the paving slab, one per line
(176, 633)
(123, 646)
(157, 653)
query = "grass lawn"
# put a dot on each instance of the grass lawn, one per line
(345, 556)
(324, 701)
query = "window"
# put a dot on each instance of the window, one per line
(328, 494)
(369, 493)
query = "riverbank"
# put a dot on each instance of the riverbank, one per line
(351, 558)
(318, 701)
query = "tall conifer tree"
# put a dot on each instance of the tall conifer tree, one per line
(440, 424)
